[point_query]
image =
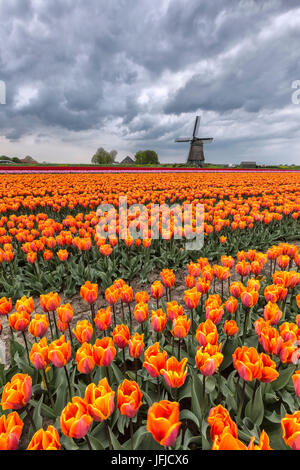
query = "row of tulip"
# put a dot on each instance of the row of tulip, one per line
(237, 353)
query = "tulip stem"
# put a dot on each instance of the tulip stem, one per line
(30, 418)
(70, 333)
(69, 385)
(54, 319)
(114, 313)
(93, 312)
(179, 344)
(131, 433)
(88, 442)
(247, 311)
(158, 387)
(130, 318)
(50, 323)
(48, 390)
(242, 402)
(254, 391)
(203, 396)
(107, 375)
(108, 435)
(26, 346)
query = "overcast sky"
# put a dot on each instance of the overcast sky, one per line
(133, 74)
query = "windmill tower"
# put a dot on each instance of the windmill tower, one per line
(196, 153)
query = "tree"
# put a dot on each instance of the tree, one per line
(146, 157)
(104, 157)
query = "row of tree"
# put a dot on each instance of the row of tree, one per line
(142, 157)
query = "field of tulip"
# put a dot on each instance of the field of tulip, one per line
(125, 342)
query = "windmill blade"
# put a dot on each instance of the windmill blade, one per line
(186, 139)
(196, 126)
(207, 139)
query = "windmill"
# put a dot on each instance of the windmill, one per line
(196, 154)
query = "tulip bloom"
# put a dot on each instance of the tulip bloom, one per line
(83, 331)
(60, 352)
(104, 351)
(207, 333)
(175, 372)
(230, 328)
(208, 358)
(272, 313)
(269, 372)
(141, 312)
(249, 298)
(158, 320)
(19, 321)
(142, 296)
(228, 442)
(291, 430)
(214, 314)
(112, 295)
(5, 306)
(248, 363)
(65, 313)
(168, 278)
(10, 431)
(45, 440)
(129, 398)
(136, 345)
(220, 422)
(49, 302)
(39, 354)
(17, 393)
(154, 360)
(174, 310)
(100, 400)
(296, 382)
(181, 327)
(236, 288)
(85, 359)
(25, 305)
(163, 422)
(191, 298)
(38, 325)
(75, 420)
(63, 255)
(126, 294)
(157, 290)
(89, 292)
(121, 336)
(231, 305)
(103, 318)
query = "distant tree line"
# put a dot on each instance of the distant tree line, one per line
(142, 157)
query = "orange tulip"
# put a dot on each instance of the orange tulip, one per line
(230, 328)
(228, 442)
(158, 320)
(248, 363)
(155, 360)
(231, 305)
(5, 306)
(141, 312)
(291, 430)
(89, 292)
(181, 326)
(45, 440)
(49, 302)
(10, 431)
(220, 422)
(136, 345)
(103, 318)
(65, 313)
(17, 393)
(174, 310)
(83, 331)
(168, 277)
(104, 351)
(191, 298)
(249, 298)
(39, 354)
(208, 358)
(272, 313)
(25, 305)
(207, 333)
(296, 382)
(38, 325)
(63, 255)
(163, 422)
(19, 321)
(142, 296)
(126, 294)
(236, 288)
(129, 398)
(112, 295)
(157, 290)
(85, 359)
(269, 372)
(121, 336)
(175, 372)
(60, 352)
(75, 420)
(100, 400)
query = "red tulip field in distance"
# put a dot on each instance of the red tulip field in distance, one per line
(116, 341)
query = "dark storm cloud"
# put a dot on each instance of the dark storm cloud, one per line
(150, 66)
